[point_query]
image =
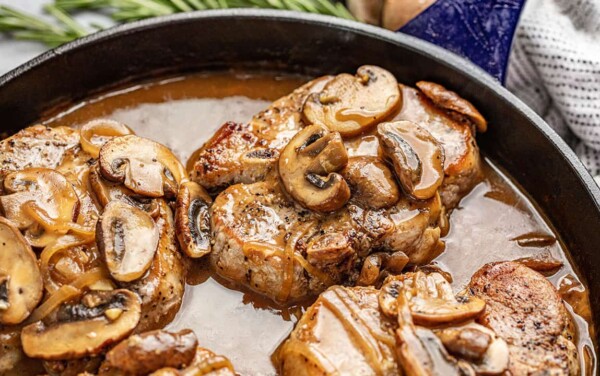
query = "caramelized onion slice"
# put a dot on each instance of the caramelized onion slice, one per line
(97, 132)
(128, 239)
(308, 168)
(352, 104)
(84, 326)
(417, 157)
(20, 278)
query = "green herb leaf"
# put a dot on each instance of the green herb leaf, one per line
(64, 28)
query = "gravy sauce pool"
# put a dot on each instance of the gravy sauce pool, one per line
(496, 221)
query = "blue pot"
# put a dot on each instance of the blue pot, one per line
(480, 30)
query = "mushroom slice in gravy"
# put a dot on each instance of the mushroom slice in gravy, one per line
(42, 203)
(431, 299)
(192, 221)
(486, 352)
(97, 132)
(420, 352)
(308, 168)
(352, 104)
(106, 191)
(20, 278)
(83, 327)
(417, 157)
(371, 182)
(453, 102)
(144, 166)
(127, 238)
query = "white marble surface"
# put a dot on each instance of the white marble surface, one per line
(14, 53)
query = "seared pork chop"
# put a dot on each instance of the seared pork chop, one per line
(526, 311)
(342, 333)
(37, 146)
(267, 242)
(246, 153)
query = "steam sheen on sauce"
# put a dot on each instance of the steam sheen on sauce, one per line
(496, 221)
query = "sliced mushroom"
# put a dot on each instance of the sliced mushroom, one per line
(127, 238)
(84, 326)
(329, 249)
(148, 352)
(97, 132)
(417, 157)
(378, 265)
(105, 192)
(144, 166)
(42, 203)
(431, 299)
(308, 169)
(371, 182)
(192, 221)
(420, 351)
(453, 102)
(487, 353)
(20, 278)
(352, 104)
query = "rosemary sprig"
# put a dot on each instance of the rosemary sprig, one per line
(28, 27)
(25, 26)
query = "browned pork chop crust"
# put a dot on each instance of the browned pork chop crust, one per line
(268, 243)
(37, 146)
(526, 311)
(246, 153)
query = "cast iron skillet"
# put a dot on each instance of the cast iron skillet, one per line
(517, 139)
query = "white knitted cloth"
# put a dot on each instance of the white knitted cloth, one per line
(555, 69)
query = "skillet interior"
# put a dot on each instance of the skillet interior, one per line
(518, 140)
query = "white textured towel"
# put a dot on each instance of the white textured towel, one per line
(555, 69)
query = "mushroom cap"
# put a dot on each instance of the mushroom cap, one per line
(40, 201)
(83, 327)
(106, 191)
(351, 104)
(420, 351)
(487, 353)
(21, 283)
(308, 168)
(142, 165)
(431, 299)
(128, 239)
(371, 182)
(417, 157)
(192, 219)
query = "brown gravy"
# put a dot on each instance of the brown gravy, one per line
(496, 221)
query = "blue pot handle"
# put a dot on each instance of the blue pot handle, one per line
(480, 30)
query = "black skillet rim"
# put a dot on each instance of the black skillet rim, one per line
(430, 50)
